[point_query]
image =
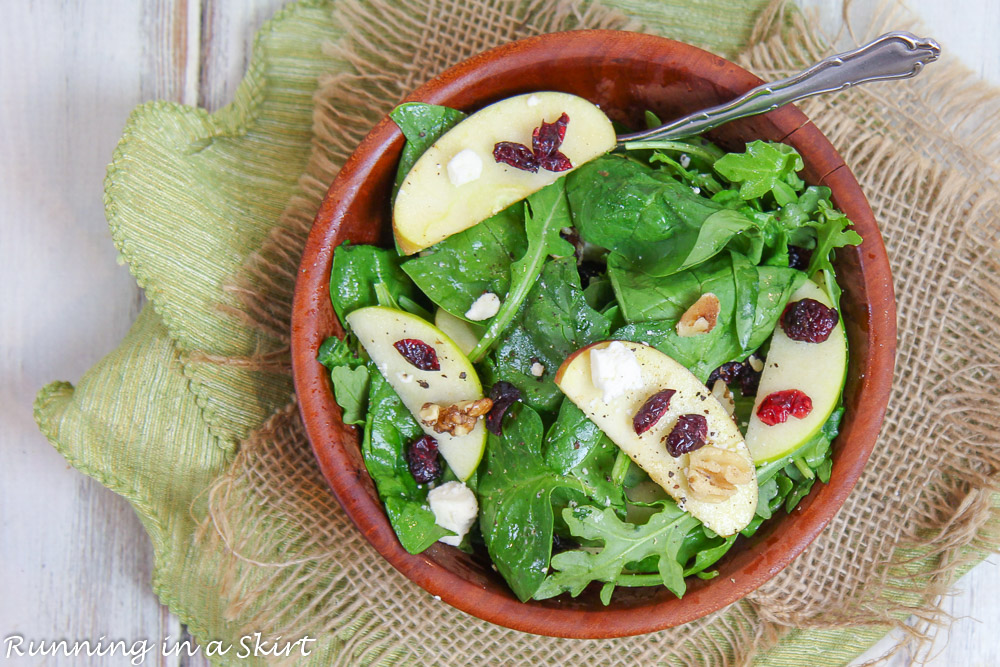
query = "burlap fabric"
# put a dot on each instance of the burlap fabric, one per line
(193, 420)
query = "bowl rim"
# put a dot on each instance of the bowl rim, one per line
(320, 414)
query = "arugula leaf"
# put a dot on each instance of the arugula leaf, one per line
(765, 167)
(831, 232)
(358, 269)
(461, 268)
(421, 124)
(650, 221)
(782, 482)
(389, 429)
(515, 491)
(546, 213)
(662, 536)
(554, 321)
(349, 377)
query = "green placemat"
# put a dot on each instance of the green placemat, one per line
(192, 418)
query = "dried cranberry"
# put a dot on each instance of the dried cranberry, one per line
(504, 395)
(545, 141)
(808, 321)
(418, 353)
(516, 155)
(799, 257)
(776, 407)
(737, 372)
(688, 434)
(651, 411)
(555, 162)
(728, 372)
(548, 137)
(422, 459)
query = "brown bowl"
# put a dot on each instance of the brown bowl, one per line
(626, 74)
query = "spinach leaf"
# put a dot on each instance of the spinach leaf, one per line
(765, 167)
(515, 491)
(358, 269)
(389, 429)
(546, 213)
(554, 321)
(622, 543)
(461, 268)
(650, 221)
(349, 377)
(577, 447)
(655, 305)
(336, 352)
(421, 124)
(350, 388)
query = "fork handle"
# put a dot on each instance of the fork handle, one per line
(894, 55)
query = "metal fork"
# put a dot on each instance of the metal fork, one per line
(894, 55)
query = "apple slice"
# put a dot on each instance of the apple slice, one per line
(816, 369)
(378, 328)
(463, 333)
(648, 451)
(457, 182)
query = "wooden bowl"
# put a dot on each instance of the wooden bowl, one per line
(625, 73)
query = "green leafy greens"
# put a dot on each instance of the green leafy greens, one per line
(619, 248)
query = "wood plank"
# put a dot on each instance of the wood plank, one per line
(76, 562)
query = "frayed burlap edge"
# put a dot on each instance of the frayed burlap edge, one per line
(944, 520)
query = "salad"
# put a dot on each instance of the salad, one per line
(600, 367)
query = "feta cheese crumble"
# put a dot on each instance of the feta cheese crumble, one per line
(537, 369)
(455, 508)
(464, 167)
(484, 307)
(685, 160)
(615, 370)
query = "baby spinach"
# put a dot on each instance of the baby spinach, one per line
(461, 268)
(357, 271)
(553, 321)
(622, 543)
(546, 214)
(389, 429)
(577, 447)
(655, 305)
(650, 221)
(515, 501)
(421, 124)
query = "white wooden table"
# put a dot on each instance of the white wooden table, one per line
(74, 560)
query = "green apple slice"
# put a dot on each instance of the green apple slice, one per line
(816, 369)
(463, 333)
(457, 183)
(614, 417)
(378, 328)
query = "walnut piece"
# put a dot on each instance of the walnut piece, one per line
(458, 419)
(714, 473)
(722, 394)
(701, 317)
